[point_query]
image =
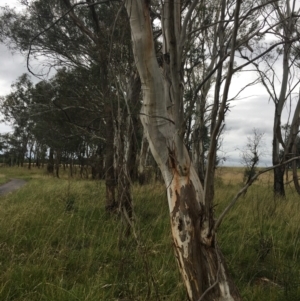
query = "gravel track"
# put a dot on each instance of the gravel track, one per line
(12, 185)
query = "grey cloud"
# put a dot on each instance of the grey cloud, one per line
(255, 112)
(11, 67)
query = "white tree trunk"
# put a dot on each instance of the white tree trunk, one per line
(199, 258)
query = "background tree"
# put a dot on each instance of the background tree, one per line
(78, 35)
(284, 27)
(251, 154)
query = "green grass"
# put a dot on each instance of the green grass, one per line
(51, 250)
(260, 239)
(20, 172)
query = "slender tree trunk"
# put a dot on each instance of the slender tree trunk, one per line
(278, 174)
(288, 29)
(57, 162)
(143, 159)
(50, 165)
(200, 133)
(124, 183)
(279, 171)
(291, 145)
(126, 150)
(37, 156)
(97, 172)
(132, 154)
(81, 160)
(133, 124)
(29, 158)
(71, 166)
(21, 159)
(110, 181)
(294, 167)
(198, 140)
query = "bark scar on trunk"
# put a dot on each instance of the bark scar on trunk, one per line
(188, 214)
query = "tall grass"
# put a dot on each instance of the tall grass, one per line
(58, 243)
(260, 239)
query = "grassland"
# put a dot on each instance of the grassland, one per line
(57, 242)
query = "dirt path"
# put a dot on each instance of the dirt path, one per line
(12, 185)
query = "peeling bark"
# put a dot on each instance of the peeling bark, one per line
(200, 261)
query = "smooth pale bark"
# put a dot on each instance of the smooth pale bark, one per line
(200, 261)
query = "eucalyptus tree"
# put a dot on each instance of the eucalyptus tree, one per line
(281, 84)
(70, 33)
(193, 223)
(68, 113)
(52, 114)
(15, 108)
(14, 148)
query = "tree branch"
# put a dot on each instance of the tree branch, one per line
(244, 190)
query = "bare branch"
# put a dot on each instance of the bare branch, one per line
(244, 189)
(184, 25)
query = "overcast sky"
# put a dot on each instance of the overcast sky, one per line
(252, 111)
